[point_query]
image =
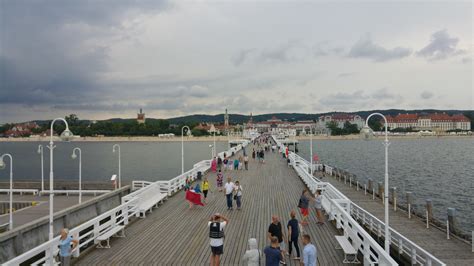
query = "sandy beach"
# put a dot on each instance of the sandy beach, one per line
(218, 138)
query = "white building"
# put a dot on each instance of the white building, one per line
(340, 120)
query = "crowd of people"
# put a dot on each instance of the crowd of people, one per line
(282, 246)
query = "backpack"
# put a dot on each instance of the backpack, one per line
(215, 230)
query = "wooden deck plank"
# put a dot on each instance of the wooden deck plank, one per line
(174, 235)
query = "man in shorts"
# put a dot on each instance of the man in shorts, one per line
(216, 234)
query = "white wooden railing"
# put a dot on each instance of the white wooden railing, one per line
(87, 232)
(349, 216)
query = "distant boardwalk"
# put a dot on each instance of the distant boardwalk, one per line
(174, 235)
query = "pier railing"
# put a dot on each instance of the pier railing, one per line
(340, 208)
(88, 232)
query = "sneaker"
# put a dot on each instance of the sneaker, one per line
(282, 262)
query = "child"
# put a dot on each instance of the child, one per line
(205, 188)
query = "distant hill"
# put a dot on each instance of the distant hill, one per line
(239, 118)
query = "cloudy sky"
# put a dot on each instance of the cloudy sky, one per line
(103, 59)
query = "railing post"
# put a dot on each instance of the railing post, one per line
(413, 256)
(365, 189)
(409, 202)
(76, 252)
(452, 220)
(350, 181)
(373, 193)
(429, 212)
(357, 183)
(370, 184)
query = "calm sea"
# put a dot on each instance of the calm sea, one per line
(438, 169)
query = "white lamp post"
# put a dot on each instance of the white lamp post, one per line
(120, 166)
(74, 156)
(2, 166)
(65, 135)
(40, 151)
(367, 134)
(310, 145)
(182, 147)
(214, 149)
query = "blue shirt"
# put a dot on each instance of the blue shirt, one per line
(65, 247)
(309, 255)
(272, 256)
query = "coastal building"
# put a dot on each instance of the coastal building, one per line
(340, 119)
(21, 130)
(433, 122)
(141, 117)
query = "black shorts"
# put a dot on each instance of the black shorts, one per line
(205, 193)
(217, 250)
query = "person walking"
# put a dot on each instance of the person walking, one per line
(205, 188)
(220, 180)
(272, 253)
(229, 189)
(293, 234)
(262, 156)
(238, 195)
(318, 205)
(309, 252)
(276, 230)
(246, 162)
(253, 154)
(236, 164)
(219, 163)
(304, 206)
(225, 161)
(252, 255)
(65, 249)
(216, 225)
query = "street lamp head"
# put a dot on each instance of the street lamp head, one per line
(366, 133)
(115, 146)
(40, 148)
(66, 135)
(210, 145)
(73, 155)
(2, 163)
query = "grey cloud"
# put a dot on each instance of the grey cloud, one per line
(325, 48)
(426, 95)
(53, 52)
(242, 56)
(441, 46)
(360, 99)
(346, 74)
(287, 52)
(366, 48)
(466, 60)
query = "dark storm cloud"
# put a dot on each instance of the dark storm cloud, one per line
(441, 46)
(50, 53)
(366, 48)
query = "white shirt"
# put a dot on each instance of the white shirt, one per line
(239, 192)
(229, 187)
(216, 242)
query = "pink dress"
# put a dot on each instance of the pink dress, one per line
(214, 165)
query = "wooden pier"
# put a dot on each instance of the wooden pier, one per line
(174, 235)
(452, 252)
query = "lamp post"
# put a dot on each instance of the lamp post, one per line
(65, 135)
(120, 166)
(367, 134)
(40, 151)
(214, 154)
(2, 166)
(74, 156)
(310, 145)
(182, 146)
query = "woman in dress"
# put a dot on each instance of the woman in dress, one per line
(220, 180)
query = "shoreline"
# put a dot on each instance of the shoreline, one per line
(219, 138)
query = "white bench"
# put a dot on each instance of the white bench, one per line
(106, 235)
(149, 198)
(348, 249)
